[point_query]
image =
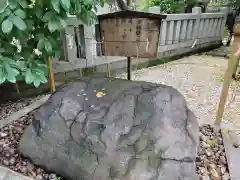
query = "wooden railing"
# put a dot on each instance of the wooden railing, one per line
(190, 31)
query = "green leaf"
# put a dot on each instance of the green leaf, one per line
(11, 78)
(48, 16)
(41, 76)
(43, 68)
(30, 24)
(7, 26)
(12, 4)
(23, 3)
(7, 12)
(53, 42)
(2, 76)
(36, 82)
(53, 25)
(65, 4)
(40, 44)
(14, 71)
(102, 2)
(63, 23)
(88, 2)
(19, 23)
(22, 65)
(10, 62)
(19, 12)
(57, 53)
(11, 70)
(39, 36)
(3, 5)
(56, 5)
(18, 58)
(29, 76)
(11, 73)
(48, 46)
(39, 13)
(87, 16)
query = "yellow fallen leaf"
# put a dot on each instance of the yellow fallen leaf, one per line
(212, 143)
(123, 145)
(100, 94)
(225, 131)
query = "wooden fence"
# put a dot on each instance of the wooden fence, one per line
(180, 33)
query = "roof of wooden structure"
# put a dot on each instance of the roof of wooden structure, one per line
(132, 14)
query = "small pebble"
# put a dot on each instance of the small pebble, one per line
(53, 176)
(211, 161)
(223, 169)
(24, 170)
(12, 161)
(223, 160)
(39, 177)
(6, 162)
(209, 152)
(11, 107)
(205, 177)
(235, 145)
(2, 134)
(226, 176)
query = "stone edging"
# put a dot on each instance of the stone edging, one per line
(230, 139)
(7, 174)
(22, 112)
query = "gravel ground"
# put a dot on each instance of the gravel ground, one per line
(199, 79)
(211, 162)
(8, 108)
(9, 138)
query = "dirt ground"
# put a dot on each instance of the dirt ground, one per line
(199, 79)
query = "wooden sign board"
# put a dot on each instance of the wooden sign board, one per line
(130, 34)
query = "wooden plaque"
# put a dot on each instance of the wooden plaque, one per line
(130, 34)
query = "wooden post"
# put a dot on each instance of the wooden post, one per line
(129, 68)
(232, 63)
(129, 64)
(51, 76)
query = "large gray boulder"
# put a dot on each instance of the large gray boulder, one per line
(135, 131)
